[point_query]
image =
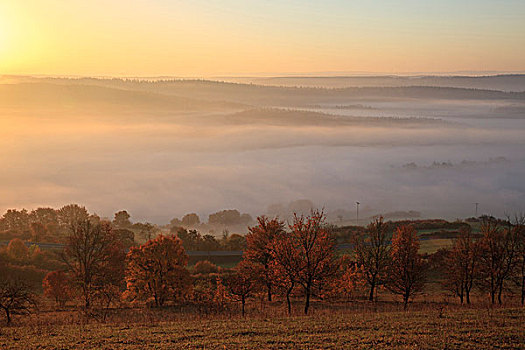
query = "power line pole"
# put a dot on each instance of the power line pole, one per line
(476, 209)
(357, 214)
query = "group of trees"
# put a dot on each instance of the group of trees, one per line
(304, 257)
(392, 261)
(494, 263)
(193, 240)
(223, 218)
(42, 224)
(297, 260)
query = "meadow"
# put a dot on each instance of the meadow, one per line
(351, 326)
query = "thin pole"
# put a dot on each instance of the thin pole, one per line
(476, 209)
(357, 214)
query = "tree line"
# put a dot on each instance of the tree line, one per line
(290, 261)
(49, 225)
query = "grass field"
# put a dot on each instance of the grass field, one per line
(429, 328)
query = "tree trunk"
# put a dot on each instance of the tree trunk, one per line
(372, 287)
(493, 297)
(269, 286)
(467, 294)
(523, 290)
(461, 298)
(243, 301)
(7, 315)
(288, 292)
(500, 290)
(307, 303)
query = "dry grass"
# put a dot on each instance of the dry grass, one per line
(354, 325)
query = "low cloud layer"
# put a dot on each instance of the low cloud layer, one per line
(165, 164)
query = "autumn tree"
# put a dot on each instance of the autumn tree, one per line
(498, 258)
(348, 279)
(16, 297)
(57, 286)
(308, 251)
(259, 242)
(220, 294)
(240, 285)
(205, 267)
(156, 270)
(17, 250)
(461, 265)
(283, 268)
(407, 270)
(95, 258)
(372, 254)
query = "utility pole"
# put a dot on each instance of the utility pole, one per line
(476, 209)
(357, 214)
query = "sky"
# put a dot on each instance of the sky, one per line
(247, 37)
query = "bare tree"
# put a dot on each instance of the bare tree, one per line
(16, 297)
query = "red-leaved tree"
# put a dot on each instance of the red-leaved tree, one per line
(240, 285)
(307, 252)
(57, 286)
(407, 272)
(156, 271)
(95, 259)
(258, 252)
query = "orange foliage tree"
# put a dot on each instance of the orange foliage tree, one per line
(57, 286)
(205, 267)
(284, 268)
(156, 271)
(308, 252)
(348, 279)
(258, 252)
(407, 272)
(220, 295)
